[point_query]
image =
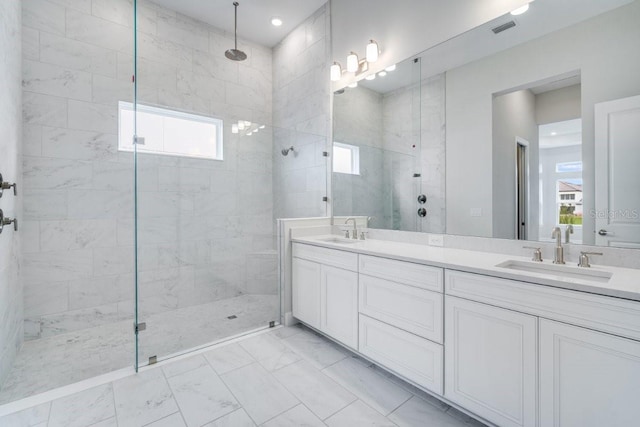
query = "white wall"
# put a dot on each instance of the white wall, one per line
(558, 105)
(11, 306)
(602, 48)
(513, 116)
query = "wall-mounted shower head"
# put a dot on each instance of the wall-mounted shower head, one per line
(285, 151)
(236, 54)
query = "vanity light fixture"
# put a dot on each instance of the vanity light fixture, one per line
(336, 71)
(262, 126)
(247, 123)
(382, 73)
(352, 62)
(353, 85)
(234, 128)
(370, 77)
(520, 10)
(390, 68)
(276, 22)
(372, 51)
(241, 124)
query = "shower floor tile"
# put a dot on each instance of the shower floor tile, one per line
(52, 362)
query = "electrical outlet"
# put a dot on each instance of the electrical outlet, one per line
(436, 240)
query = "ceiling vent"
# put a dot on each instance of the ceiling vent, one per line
(503, 27)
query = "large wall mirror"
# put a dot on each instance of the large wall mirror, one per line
(519, 126)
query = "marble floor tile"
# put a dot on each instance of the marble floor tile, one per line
(237, 418)
(185, 365)
(83, 409)
(28, 417)
(227, 358)
(287, 331)
(261, 395)
(173, 420)
(317, 350)
(371, 387)
(417, 412)
(295, 417)
(202, 396)
(359, 414)
(319, 393)
(269, 351)
(143, 398)
(109, 422)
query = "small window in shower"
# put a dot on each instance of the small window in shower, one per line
(346, 158)
(169, 132)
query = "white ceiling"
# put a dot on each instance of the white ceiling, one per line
(543, 17)
(254, 16)
(560, 134)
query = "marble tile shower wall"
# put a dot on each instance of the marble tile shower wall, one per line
(301, 102)
(197, 227)
(11, 306)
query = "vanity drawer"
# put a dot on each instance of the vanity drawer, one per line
(416, 359)
(607, 314)
(408, 273)
(335, 258)
(413, 309)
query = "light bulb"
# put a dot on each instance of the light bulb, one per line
(520, 10)
(249, 133)
(276, 22)
(370, 77)
(352, 62)
(382, 73)
(262, 126)
(390, 68)
(372, 51)
(353, 85)
(234, 128)
(336, 72)
(241, 124)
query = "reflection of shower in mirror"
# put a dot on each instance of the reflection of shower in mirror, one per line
(285, 151)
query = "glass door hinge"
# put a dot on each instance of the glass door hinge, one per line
(325, 154)
(139, 327)
(153, 360)
(325, 199)
(139, 140)
(272, 324)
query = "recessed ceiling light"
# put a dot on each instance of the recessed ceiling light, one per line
(554, 133)
(382, 73)
(276, 22)
(370, 77)
(390, 68)
(520, 10)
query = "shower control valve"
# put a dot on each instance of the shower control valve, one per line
(6, 186)
(7, 221)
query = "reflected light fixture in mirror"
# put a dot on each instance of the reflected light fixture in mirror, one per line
(234, 128)
(352, 62)
(370, 77)
(382, 73)
(336, 71)
(353, 85)
(520, 10)
(390, 68)
(276, 22)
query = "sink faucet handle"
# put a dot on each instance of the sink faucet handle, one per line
(537, 253)
(583, 260)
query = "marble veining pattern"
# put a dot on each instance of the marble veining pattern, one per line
(189, 392)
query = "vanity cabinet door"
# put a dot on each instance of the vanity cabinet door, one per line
(587, 378)
(339, 305)
(306, 291)
(491, 361)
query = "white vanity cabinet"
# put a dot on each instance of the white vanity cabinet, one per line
(491, 361)
(587, 378)
(325, 291)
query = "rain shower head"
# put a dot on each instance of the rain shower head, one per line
(236, 54)
(285, 151)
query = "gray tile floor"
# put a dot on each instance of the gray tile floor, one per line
(48, 363)
(286, 377)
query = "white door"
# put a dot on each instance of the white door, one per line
(587, 378)
(306, 291)
(339, 305)
(617, 151)
(491, 361)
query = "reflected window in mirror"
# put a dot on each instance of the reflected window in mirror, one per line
(346, 158)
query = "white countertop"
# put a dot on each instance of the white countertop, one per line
(624, 283)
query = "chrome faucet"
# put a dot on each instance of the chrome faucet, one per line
(354, 234)
(567, 232)
(558, 253)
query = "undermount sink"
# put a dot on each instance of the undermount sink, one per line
(558, 270)
(339, 240)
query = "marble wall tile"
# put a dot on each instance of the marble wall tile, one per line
(53, 80)
(98, 32)
(93, 117)
(81, 5)
(55, 174)
(32, 140)
(164, 51)
(110, 91)
(66, 143)
(48, 299)
(30, 231)
(44, 109)
(44, 204)
(30, 43)
(45, 267)
(183, 30)
(77, 234)
(73, 320)
(43, 15)
(118, 11)
(97, 291)
(112, 260)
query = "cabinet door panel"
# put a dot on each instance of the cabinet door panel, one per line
(306, 291)
(339, 305)
(491, 361)
(587, 378)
